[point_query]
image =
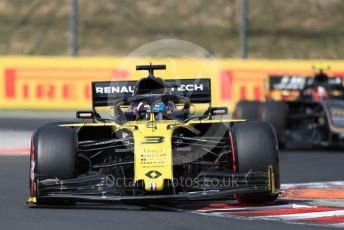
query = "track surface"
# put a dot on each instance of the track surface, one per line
(296, 166)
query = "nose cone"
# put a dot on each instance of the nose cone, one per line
(153, 156)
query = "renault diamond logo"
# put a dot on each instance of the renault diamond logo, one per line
(153, 174)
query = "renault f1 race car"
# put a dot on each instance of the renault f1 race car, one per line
(310, 113)
(151, 147)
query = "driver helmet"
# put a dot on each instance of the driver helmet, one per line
(159, 107)
(319, 93)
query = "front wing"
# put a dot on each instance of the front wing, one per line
(94, 189)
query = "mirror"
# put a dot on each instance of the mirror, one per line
(218, 111)
(85, 114)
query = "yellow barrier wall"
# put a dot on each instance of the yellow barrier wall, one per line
(63, 83)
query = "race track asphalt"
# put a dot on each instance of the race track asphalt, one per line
(296, 166)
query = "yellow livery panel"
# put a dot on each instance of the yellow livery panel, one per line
(153, 155)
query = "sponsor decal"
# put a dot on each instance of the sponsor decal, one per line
(288, 82)
(337, 116)
(53, 87)
(297, 82)
(115, 89)
(131, 89)
(336, 110)
(153, 140)
(182, 85)
(189, 88)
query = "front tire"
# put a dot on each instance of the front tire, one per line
(53, 155)
(255, 148)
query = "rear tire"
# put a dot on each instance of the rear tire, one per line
(54, 149)
(255, 148)
(247, 110)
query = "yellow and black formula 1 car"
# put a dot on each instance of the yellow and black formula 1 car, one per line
(150, 148)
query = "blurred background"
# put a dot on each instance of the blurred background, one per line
(308, 29)
(51, 50)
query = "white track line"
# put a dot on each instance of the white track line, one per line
(341, 225)
(272, 207)
(300, 216)
(326, 184)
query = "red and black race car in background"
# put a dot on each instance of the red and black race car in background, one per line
(310, 111)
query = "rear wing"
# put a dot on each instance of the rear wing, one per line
(106, 92)
(296, 82)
